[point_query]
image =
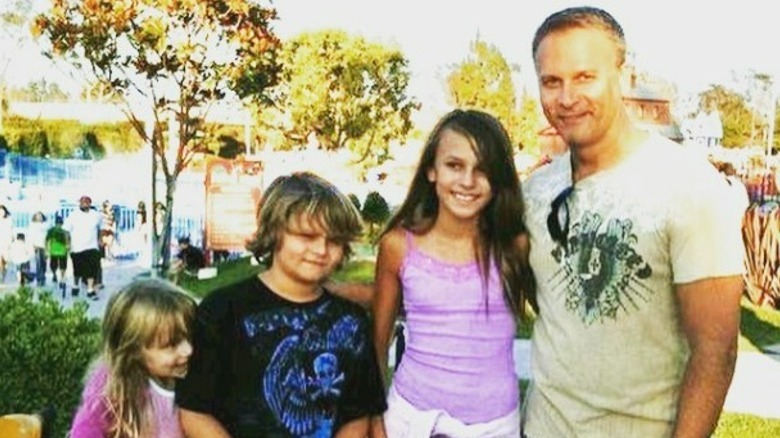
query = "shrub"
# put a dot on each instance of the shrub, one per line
(354, 200)
(45, 352)
(375, 213)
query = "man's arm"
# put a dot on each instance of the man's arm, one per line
(199, 425)
(710, 315)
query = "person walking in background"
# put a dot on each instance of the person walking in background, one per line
(83, 227)
(141, 231)
(36, 234)
(21, 253)
(454, 255)
(6, 237)
(129, 390)
(279, 355)
(637, 259)
(57, 247)
(107, 231)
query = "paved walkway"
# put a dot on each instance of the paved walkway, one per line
(755, 388)
(115, 276)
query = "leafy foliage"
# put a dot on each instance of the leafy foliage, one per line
(51, 348)
(345, 92)
(484, 81)
(355, 200)
(38, 91)
(738, 119)
(375, 213)
(61, 138)
(168, 60)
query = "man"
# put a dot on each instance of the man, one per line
(83, 226)
(637, 266)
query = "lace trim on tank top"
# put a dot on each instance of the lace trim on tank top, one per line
(438, 268)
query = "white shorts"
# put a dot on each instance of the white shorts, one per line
(402, 420)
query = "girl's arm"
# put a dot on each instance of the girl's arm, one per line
(91, 419)
(387, 292)
(387, 298)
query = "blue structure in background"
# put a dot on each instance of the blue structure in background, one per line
(70, 178)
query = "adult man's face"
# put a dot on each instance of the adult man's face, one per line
(84, 204)
(579, 83)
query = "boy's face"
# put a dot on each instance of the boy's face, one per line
(305, 255)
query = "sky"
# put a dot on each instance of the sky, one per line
(691, 43)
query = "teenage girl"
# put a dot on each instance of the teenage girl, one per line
(455, 256)
(129, 392)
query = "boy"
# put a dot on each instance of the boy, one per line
(57, 247)
(189, 260)
(278, 355)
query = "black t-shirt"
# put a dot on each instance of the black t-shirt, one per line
(268, 367)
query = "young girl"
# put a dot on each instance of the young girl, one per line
(129, 392)
(36, 234)
(454, 256)
(278, 355)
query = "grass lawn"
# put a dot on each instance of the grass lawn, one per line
(760, 328)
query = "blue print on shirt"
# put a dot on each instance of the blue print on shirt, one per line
(304, 379)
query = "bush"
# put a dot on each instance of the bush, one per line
(44, 356)
(375, 213)
(355, 200)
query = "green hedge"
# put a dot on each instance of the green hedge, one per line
(60, 138)
(44, 354)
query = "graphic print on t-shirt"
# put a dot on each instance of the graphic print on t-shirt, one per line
(304, 377)
(601, 272)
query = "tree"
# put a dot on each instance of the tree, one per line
(39, 91)
(345, 92)
(737, 118)
(375, 213)
(169, 60)
(484, 81)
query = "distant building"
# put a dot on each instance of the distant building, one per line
(648, 102)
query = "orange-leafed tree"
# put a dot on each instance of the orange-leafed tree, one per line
(169, 61)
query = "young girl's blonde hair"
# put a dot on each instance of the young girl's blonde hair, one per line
(145, 313)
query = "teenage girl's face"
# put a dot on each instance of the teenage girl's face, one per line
(305, 254)
(462, 187)
(166, 361)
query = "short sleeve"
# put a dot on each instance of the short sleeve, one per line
(364, 393)
(705, 232)
(92, 417)
(197, 391)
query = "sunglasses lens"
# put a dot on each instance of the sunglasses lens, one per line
(559, 214)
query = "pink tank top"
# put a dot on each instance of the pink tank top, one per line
(458, 357)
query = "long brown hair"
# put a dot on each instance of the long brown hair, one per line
(500, 222)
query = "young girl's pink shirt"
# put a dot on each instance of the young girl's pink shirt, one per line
(92, 418)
